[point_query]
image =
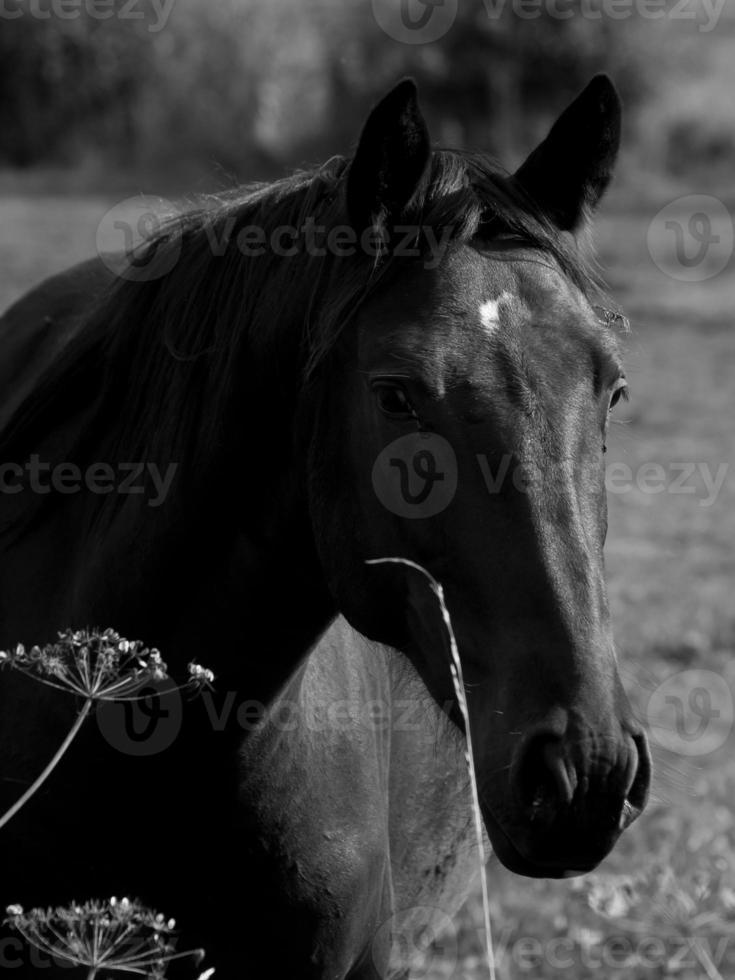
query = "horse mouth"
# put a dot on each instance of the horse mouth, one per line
(513, 858)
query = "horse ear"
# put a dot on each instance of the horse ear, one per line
(391, 158)
(568, 173)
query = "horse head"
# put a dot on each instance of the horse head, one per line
(460, 423)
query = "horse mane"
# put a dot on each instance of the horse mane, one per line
(156, 363)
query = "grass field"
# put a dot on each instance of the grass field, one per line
(663, 906)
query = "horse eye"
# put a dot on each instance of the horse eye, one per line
(393, 401)
(619, 391)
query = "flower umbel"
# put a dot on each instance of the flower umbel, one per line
(200, 678)
(99, 665)
(116, 935)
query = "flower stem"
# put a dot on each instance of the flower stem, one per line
(92, 973)
(50, 767)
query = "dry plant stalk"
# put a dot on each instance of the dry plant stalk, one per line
(455, 667)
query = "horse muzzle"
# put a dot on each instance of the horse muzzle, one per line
(570, 799)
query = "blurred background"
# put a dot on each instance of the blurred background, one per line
(182, 87)
(183, 96)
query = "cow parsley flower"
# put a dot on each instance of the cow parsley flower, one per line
(97, 665)
(200, 678)
(119, 935)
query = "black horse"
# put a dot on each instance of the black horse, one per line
(392, 355)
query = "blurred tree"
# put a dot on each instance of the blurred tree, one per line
(258, 86)
(67, 82)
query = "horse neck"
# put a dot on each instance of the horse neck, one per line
(225, 573)
(232, 582)
(228, 564)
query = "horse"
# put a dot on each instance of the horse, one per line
(433, 384)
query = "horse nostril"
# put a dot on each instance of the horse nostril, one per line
(638, 792)
(565, 784)
(636, 796)
(544, 779)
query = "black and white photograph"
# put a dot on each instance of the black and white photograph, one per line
(367, 489)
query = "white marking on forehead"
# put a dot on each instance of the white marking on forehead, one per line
(490, 311)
